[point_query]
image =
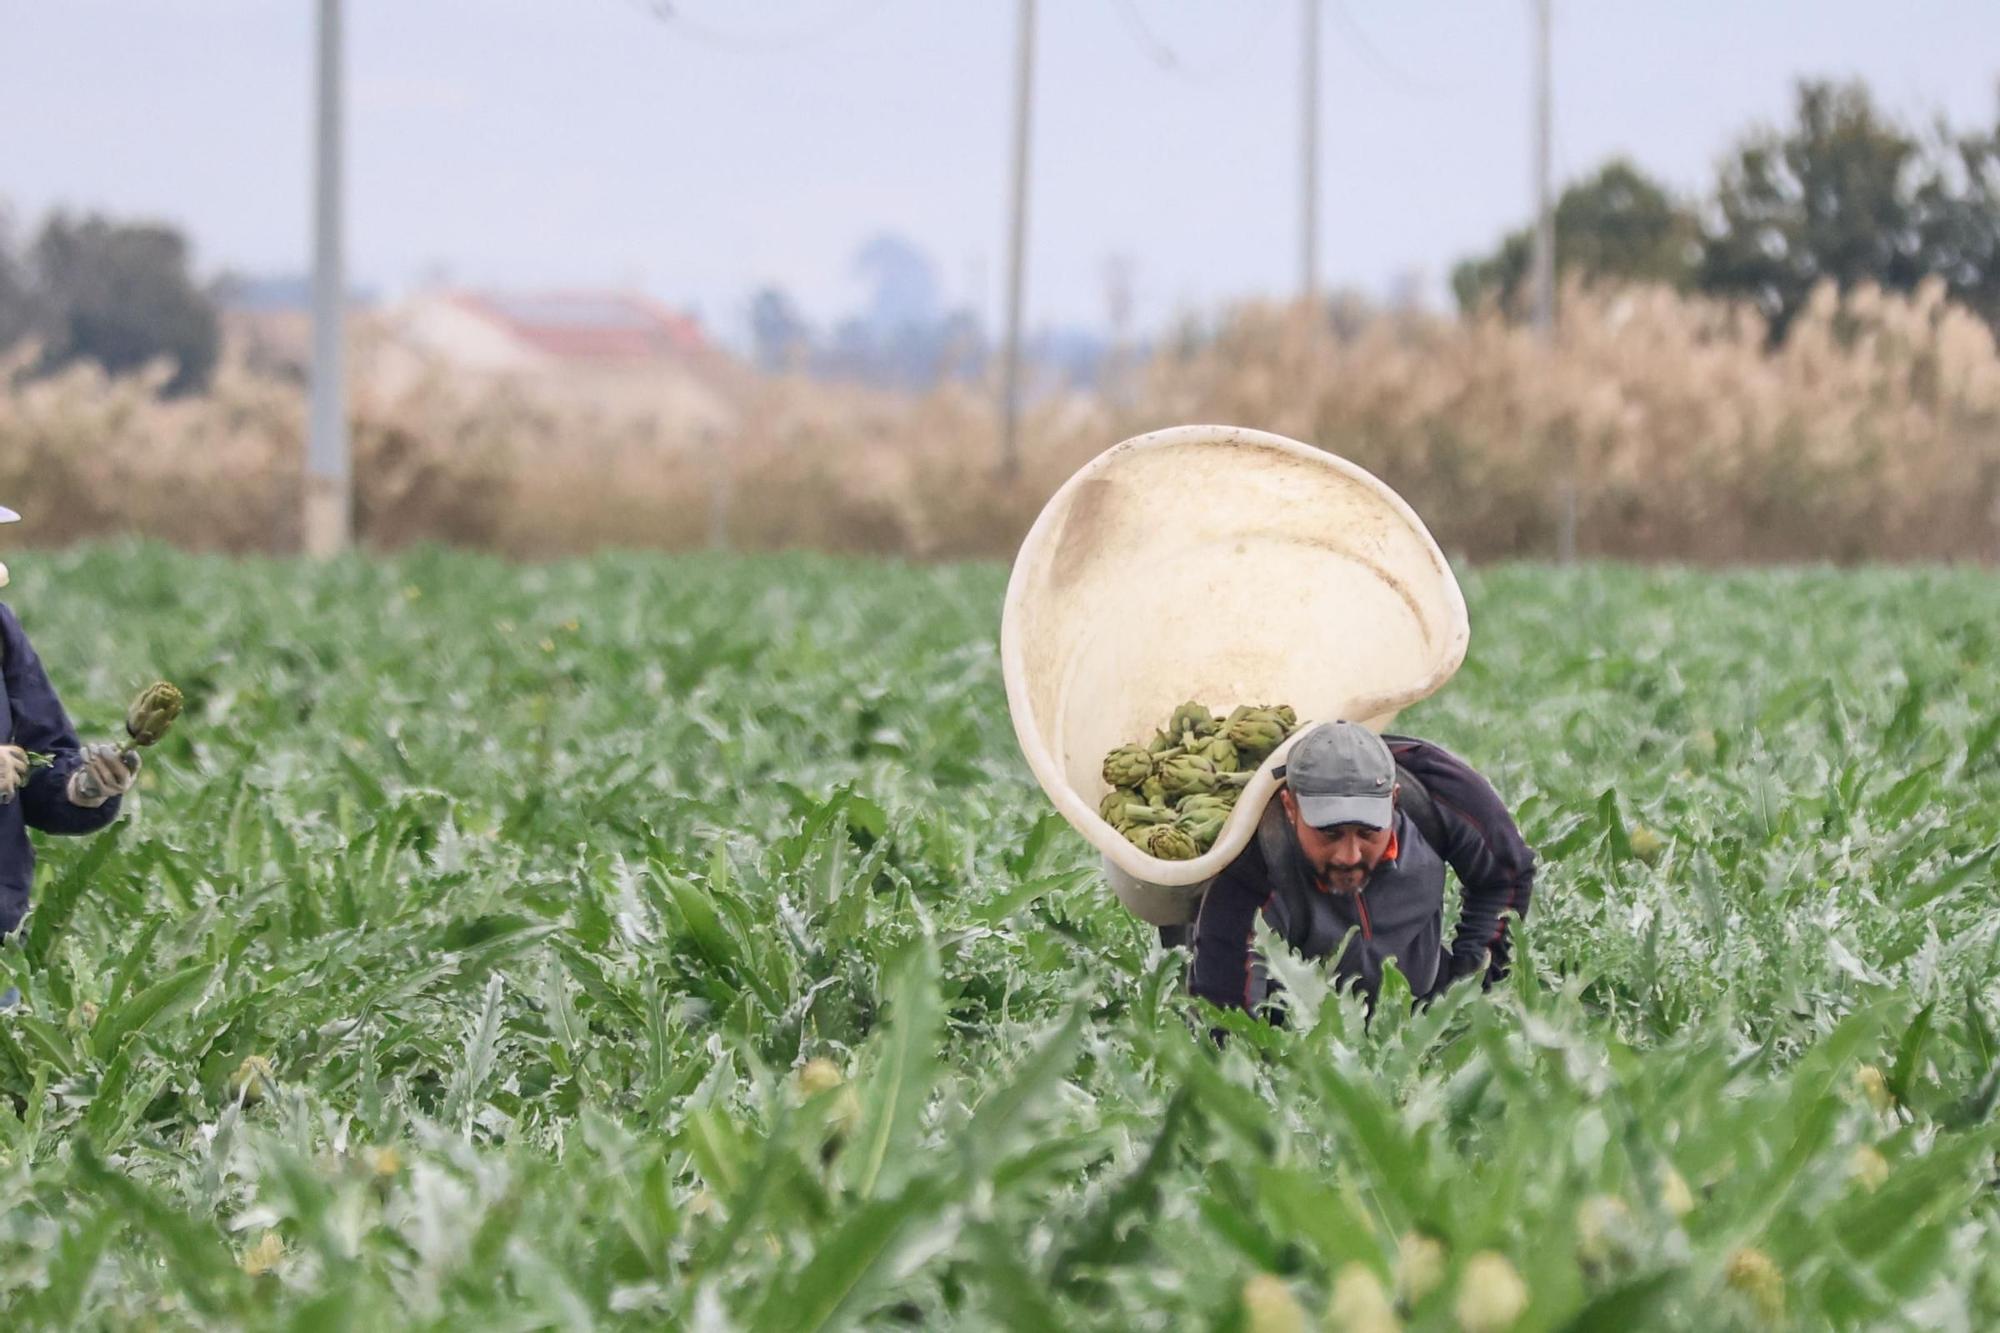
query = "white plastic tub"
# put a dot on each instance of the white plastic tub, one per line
(1227, 566)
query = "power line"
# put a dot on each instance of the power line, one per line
(1148, 41)
(1388, 69)
(673, 14)
(1249, 30)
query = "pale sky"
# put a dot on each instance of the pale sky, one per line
(525, 143)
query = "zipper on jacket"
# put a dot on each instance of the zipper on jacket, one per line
(1361, 906)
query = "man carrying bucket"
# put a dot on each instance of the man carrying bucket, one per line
(1349, 862)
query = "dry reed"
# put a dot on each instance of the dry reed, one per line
(1872, 433)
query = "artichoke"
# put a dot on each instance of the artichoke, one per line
(1219, 803)
(1166, 842)
(1154, 790)
(1127, 810)
(1218, 750)
(152, 713)
(1203, 827)
(1188, 775)
(1115, 809)
(1191, 717)
(1256, 734)
(1231, 783)
(1127, 766)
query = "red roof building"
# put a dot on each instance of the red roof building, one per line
(587, 326)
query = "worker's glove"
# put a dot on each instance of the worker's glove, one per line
(106, 771)
(13, 771)
(1456, 967)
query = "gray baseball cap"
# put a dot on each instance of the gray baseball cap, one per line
(1342, 773)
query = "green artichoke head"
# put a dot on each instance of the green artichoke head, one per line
(152, 713)
(1255, 735)
(1191, 717)
(1116, 807)
(1168, 843)
(1221, 752)
(1220, 803)
(1202, 818)
(1127, 766)
(1188, 775)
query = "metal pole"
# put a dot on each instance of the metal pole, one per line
(1309, 152)
(1544, 273)
(1545, 225)
(1010, 363)
(328, 502)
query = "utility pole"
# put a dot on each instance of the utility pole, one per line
(1309, 155)
(1544, 264)
(1010, 362)
(1545, 223)
(328, 500)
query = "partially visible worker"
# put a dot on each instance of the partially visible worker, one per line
(48, 781)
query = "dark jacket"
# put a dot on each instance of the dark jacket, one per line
(32, 717)
(1399, 912)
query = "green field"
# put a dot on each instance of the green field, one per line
(452, 968)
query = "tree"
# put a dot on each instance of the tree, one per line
(17, 297)
(1619, 223)
(1835, 196)
(121, 295)
(778, 332)
(1958, 217)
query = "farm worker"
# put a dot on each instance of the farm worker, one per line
(1354, 849)
(78, 789)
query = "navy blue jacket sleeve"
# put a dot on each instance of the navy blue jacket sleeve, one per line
(1496, 868)
(1226, 971)
(41, 727)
